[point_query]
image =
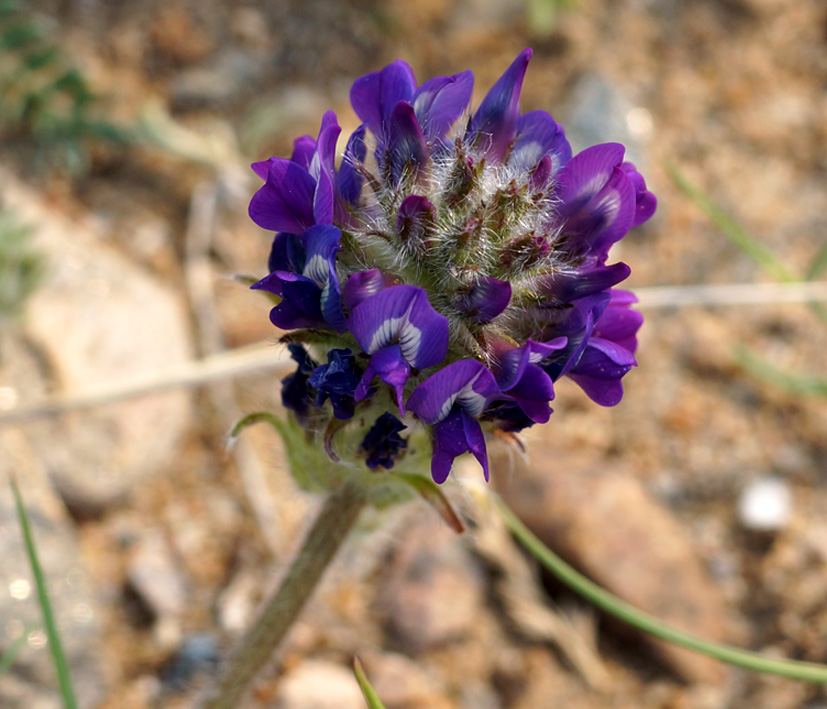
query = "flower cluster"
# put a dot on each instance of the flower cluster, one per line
(451, 268)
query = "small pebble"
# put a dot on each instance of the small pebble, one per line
(765, 505)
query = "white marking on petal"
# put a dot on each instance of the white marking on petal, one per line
(317, 270)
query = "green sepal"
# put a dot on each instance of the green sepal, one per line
(432, 493)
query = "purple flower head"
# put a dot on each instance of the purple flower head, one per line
(453, 264)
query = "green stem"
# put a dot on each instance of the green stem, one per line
(794, 669)
(335, 520)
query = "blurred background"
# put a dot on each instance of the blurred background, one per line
(126, 131)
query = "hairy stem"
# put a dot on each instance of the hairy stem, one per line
(336, 518)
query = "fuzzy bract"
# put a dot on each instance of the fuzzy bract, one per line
(451, 269)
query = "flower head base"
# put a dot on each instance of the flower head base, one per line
(454, 266)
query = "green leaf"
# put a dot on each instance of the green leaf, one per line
(56, 647)
(371, 697)
(614, 606)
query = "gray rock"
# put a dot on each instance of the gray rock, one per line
(98, 319)
(600, 113)
(434, 593)
(319, 684)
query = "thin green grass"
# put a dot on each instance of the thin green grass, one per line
(371, 697)
(614, 606)
(56, 647)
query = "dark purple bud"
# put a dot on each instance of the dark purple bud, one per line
(350, 179)
(494, 125)
(363, 284)
(485, 300)
(415, 221)
(383, 444)
(524, 251)
(541, 173)
(406, 150)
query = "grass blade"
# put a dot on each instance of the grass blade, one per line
(371, 697)
(58, 657)
(732, 229)
(794, 383)
(614, 606)
(10, 655)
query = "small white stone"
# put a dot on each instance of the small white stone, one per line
(765, 505)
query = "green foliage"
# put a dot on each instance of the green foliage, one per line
(56, 647)
(20, 266)
(45, 101)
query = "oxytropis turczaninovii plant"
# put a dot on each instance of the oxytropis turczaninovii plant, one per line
(448, 272)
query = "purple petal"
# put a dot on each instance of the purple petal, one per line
(606, 392)
(467, 384)
(533, 393)
(538, 135)
(542, 172)
(285, 201)
(286, 253)
(390, 366)
(475, 440)
(403, 315)
(303, 151)
(407, 149)
(486, 300)
(566, 287)
(459, 433)
(619, 323)
(364, 284)
(646, 202)
(495, 122)
(374, 95)
(323, 168)
(512, 363)
(440, 101)
(350, 180)
(597, 199)
(321, 243)
(415, 221)
(300, 306)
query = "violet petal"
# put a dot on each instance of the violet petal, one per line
(495, 123)
(486, 300)
(539, 135)
(467, 384)
(401, 314)
(285, 201)
(349, 179)
(374, 95)
(406, 147)
(390, 366)
(440, 101)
